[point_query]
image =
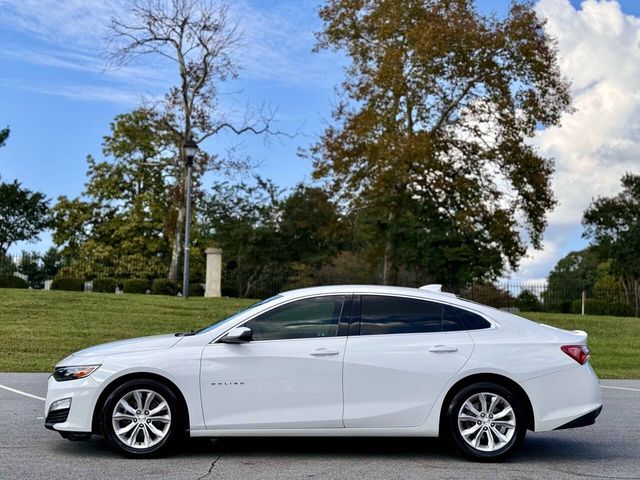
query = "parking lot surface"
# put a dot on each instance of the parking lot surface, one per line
(608, 449)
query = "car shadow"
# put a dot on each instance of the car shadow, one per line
(536, 449)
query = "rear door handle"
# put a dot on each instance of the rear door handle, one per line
(320, 352)
(443, 348)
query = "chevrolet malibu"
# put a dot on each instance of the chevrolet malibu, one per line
(334, 361)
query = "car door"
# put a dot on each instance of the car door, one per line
(288, 376)
(399, 360)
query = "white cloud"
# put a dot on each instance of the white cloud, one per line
(71, 35)
(599, 50)
(279, 42)
(81, 22)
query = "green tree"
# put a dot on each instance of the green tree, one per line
(270, 238)
(527, 301)
(431, 133)
(4, 134)
(574, 273)
(119, 226)
(310, 226)
(23, 214)
(613, 225)
(242, 219)
(201, 39)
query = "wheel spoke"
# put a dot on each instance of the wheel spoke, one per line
(148, 400)
(494, 402)
(134, 435)
(503, 413)
(146, 436)
(471, 430)
(471, 408)
(467, 418)
(483, 403)
(156, 431)
(163, 419)
(123, 416)
(476, 442)
(138, 397)
(491, 444)
(500, 436)
(159, 408)
(501, 423)
(125, 405)
(125, 429)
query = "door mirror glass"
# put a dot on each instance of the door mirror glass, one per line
(238, 335)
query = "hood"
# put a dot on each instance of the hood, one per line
(155, 342)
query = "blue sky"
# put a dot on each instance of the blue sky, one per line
(58, 99)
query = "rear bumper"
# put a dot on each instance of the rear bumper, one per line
(561, 398)
(583, 421)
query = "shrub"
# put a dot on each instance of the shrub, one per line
(196, 290)
(528, 302)
(162, 286)
(104, 285)
(10, 281)
(135, 285)
(593, 306)
(68, 283)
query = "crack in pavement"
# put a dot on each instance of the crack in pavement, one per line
(213, 464)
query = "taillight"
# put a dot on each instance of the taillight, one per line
(580, 353)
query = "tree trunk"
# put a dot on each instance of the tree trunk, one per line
(636, 291)
(176, 250)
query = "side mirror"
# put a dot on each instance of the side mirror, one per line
(238, 335)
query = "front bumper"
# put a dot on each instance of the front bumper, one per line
(83, 393)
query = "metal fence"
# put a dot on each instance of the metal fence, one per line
(37, 272)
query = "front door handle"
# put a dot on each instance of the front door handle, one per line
(320, 352)
(443, 348)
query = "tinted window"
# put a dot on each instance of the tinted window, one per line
(459, 319)
(308, 318)
(384, 315)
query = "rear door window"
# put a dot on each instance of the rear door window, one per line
(384, 315)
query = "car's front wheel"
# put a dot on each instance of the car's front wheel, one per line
(486, 422)
(140, 418)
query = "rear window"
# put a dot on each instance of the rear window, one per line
(460, 319)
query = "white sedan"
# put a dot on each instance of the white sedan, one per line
(334, 361)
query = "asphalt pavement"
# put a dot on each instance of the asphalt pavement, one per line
(608, 449)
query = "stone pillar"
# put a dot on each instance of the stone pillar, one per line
(214, 273)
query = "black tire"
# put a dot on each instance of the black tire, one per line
(175, 428)
(454, 435)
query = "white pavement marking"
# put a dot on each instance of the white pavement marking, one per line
(20, 392)
(622, 388)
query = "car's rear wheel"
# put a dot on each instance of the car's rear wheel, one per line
(140, 418)
(486, 422)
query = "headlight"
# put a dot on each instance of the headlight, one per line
(63, 374)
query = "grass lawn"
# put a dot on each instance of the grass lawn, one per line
(614, 341)
(39, 328)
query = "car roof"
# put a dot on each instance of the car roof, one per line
(375, 289)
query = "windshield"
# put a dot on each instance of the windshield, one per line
(236, 314)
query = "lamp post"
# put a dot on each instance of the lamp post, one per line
(190, 148)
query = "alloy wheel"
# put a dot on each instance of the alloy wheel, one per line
(486, 421)
(141, 418)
